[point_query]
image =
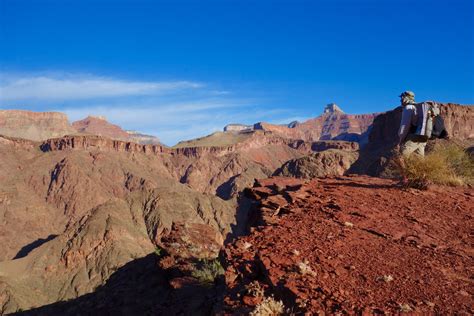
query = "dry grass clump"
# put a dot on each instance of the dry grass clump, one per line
(304, 268)
(269, 307)
(446, 164)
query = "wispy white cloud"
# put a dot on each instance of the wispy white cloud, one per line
(170, 110)
(75, 87)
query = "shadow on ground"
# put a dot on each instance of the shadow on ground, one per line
(138, 288)
(25, 250)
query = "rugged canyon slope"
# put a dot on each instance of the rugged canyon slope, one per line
(117, 226)
(88, 205)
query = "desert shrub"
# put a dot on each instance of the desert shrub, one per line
(446, 164)
(254, 289)
(206, 271)
(304, 268)
(269, 307)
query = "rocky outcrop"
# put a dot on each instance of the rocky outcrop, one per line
(459, 120)
(332, 108)
(332, 144)
(36, 126)
(331, 162)
(98, 125)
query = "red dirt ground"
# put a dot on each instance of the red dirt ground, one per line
(371, 248)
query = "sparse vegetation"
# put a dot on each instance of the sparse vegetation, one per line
(158, 252)
(386, 278)
(405, 308)
(254, 289)
(447, 164)
(305, 269)
(269, 307)
(206, 271)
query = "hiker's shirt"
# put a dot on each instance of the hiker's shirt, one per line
(409, 119)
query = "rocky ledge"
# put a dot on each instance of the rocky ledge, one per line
(353, 245)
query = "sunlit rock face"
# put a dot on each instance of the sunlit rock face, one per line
(34, 125)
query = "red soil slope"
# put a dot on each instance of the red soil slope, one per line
(355, 245)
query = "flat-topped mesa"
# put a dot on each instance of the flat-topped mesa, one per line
(332, 108)
(35, 126)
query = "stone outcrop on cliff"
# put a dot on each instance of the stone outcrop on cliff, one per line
(331, 162)
(34, 125)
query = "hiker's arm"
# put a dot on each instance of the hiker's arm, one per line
(405, 124)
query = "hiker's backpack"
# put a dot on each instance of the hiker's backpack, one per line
(430, 124)
(439, 129)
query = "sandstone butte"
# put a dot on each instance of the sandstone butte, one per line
(95, 225)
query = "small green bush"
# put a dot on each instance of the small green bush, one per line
(159, 252)
(207, 271)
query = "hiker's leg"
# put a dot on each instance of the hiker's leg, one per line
(408, 148)
(421, 149)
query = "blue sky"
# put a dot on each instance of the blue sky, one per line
(182, 69)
